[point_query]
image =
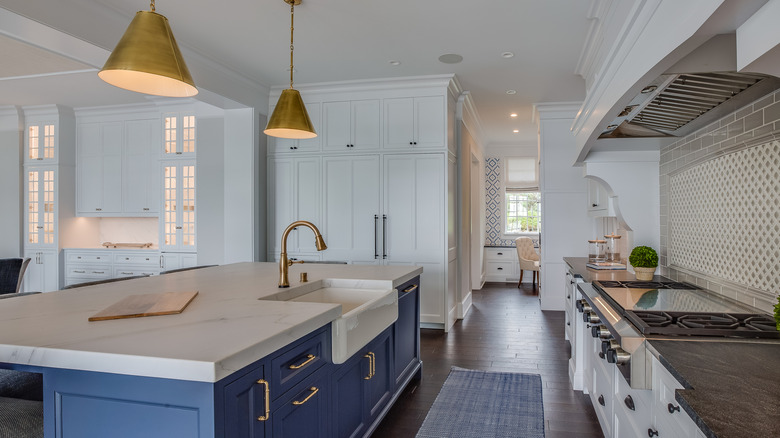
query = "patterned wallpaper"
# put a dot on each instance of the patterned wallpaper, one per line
(720, 203)
(494, 185)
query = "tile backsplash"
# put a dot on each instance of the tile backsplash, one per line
(130, 230)
(720, 204)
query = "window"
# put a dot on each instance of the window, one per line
(521, 196)
(523, 212)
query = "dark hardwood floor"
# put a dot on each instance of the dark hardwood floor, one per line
(505, 330)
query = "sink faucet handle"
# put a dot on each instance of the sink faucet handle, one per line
(291, 262)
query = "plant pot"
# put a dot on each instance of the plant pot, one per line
(644, 274)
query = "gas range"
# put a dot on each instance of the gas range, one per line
(680, 309)
(625, 314)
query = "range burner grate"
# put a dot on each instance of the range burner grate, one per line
(704, 324)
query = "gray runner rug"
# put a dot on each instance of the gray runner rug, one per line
(486, 404)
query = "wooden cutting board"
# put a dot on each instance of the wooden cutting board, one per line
(135, 306)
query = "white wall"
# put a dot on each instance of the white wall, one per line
(565, 223)
(210, 188)
(631, 178)
(10, 183)
(242, 180)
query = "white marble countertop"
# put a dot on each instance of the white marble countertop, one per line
(225, 327)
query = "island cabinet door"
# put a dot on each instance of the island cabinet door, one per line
(406, 331)
(362, 387)
(348, 399)
(304, 411)
(247, 405)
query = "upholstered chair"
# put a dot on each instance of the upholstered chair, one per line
(529, 258)
(12, 274)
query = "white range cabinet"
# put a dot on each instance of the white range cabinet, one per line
(623, 412)
(378, 184)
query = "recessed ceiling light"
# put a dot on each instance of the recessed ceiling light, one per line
(394, 62)
(513, 115)
(516, 131)
(450, 58)
(507, 55)
(511, 92)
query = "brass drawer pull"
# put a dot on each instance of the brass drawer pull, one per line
(411, 288)
(371, 367)
(313, 390)
(267, 401)
(309, 358)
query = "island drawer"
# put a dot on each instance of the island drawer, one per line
(299, 361)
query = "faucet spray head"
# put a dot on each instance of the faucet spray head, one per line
(320, 242)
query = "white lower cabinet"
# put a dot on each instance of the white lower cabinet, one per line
(42, 274)
(86, 265)
(501, 264)
(173, 260)
(670, 419)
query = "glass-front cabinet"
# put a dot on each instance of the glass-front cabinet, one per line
(40, 203)
(41, 142)
(178, 207)
(178, 134)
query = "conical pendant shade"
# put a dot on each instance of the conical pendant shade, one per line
(147, 60)
(290, 119)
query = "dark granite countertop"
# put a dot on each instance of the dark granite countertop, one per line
(578, 268)
(732, 388)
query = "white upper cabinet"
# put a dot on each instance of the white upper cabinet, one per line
(41, 207)
(280, 145)
(140, 182)
(100, 168)
(178, 135)
(117, 170)
(351, 125)
(415, 122)
(40, 142)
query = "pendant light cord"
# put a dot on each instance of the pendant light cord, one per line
(292, 47)
(151, 6)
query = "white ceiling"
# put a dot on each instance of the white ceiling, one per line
(335, 40)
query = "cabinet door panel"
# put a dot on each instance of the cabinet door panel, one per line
(337, 125)
(365, 124)
(414, 207)
(280, 195)
(244, 402)
(308, 197)
(399, 123)
(380, 386)
(430, 118)
(140, 187)
(90, 183)
(349, 397)
(351, 204)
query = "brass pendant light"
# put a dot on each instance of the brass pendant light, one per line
(290, 119)
(147, 59)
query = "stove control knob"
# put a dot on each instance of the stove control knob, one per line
(591, 318)
(609, 344)
(600, 331)
(583, 306)
(618, 356)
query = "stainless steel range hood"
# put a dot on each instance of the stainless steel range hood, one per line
(675, 105)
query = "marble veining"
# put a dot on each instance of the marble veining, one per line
(225, 328)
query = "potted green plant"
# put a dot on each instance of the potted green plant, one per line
(644, 260)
